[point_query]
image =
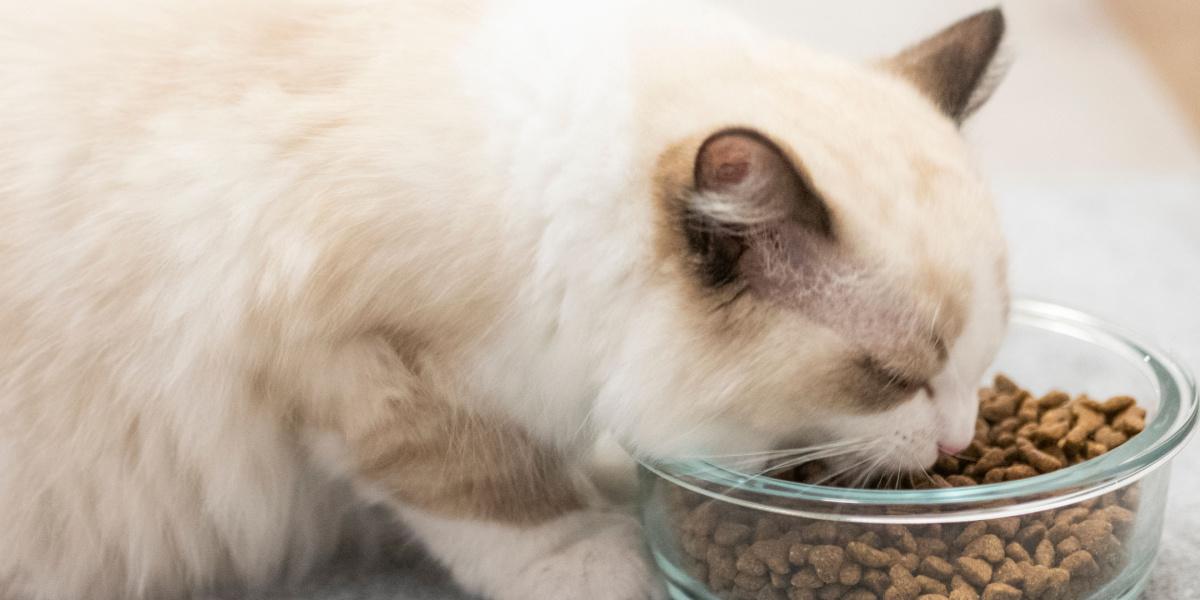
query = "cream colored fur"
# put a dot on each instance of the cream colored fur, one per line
(232, 231)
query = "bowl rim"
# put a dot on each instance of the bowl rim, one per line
(1164, 436)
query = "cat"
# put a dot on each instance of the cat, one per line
(254, 254)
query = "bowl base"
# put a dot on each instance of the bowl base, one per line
(682, 587)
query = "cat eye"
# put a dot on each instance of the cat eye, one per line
(890, 380)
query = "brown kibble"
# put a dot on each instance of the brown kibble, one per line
(1120, 517)
(702, 520)
(832, 591)
(798, 554)
(1080, 564)
(806, 578)
(875, 580)
(819, 532)
(957, 582)
(1116, 404)
(1029, 409)
(988, 547)
(930, 585)
(1130, 421)
(1058, 532)
(748, 582)
(975, 571)
(1111, 438)
(773, 553)
(1056, 416)
(870, 538)
(995, 475)
(938, 568)
(1037, 579)
(766, 528)
(946, 464)
(750, 564)
(1006, 527)
(1051, 432)
(1017, 552)
(1009, 573)
(904, 586)
(1003, 385)
(1026, 430)
(1054, 399)
(770, 593)
(1071, 515)
(991, 459)
(779, 580)
(1016, 472)
(729, 533)
(868, 556)
(860, 594)
(1044, 554)
(1059, 578)
(1001, 591)
(1047, 555)
(901, 537)
(721, 563)
(827, 560)
(938, 481)
(850, 574)
(970, 533)
(1031, 534)
(931, 545)
(1086, 422)
(1068, 546)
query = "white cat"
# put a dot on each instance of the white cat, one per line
(251, 251)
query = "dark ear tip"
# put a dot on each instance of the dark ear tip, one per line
(992, 20)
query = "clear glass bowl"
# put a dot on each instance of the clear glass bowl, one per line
(1047, 347)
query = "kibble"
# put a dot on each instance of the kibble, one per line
(1052, 555)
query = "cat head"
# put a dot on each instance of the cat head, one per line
(829, 266)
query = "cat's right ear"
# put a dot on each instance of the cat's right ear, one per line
(745, 187)
(957, 68)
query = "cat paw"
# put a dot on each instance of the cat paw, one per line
(605, 561)
(592, 555)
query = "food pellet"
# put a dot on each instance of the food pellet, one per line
(1058, 554)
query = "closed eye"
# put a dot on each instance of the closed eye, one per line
(889, 379)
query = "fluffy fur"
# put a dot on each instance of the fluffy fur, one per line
(253, 254)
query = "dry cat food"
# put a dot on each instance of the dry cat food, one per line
(1062, 554)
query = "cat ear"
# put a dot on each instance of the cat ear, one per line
(745, 186)
(957, 67)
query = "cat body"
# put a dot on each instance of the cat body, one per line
(255, 254)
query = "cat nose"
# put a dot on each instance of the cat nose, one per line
(952, 447)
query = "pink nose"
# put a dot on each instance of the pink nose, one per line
(951, 448)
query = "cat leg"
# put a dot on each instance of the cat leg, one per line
(509, 518)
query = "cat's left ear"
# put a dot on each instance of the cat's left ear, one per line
(957, 67)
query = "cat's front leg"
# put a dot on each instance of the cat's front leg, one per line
(505, 515)
(588, 554)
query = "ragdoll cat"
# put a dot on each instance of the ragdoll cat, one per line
(252, 251)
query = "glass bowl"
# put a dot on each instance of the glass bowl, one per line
(719, 534)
